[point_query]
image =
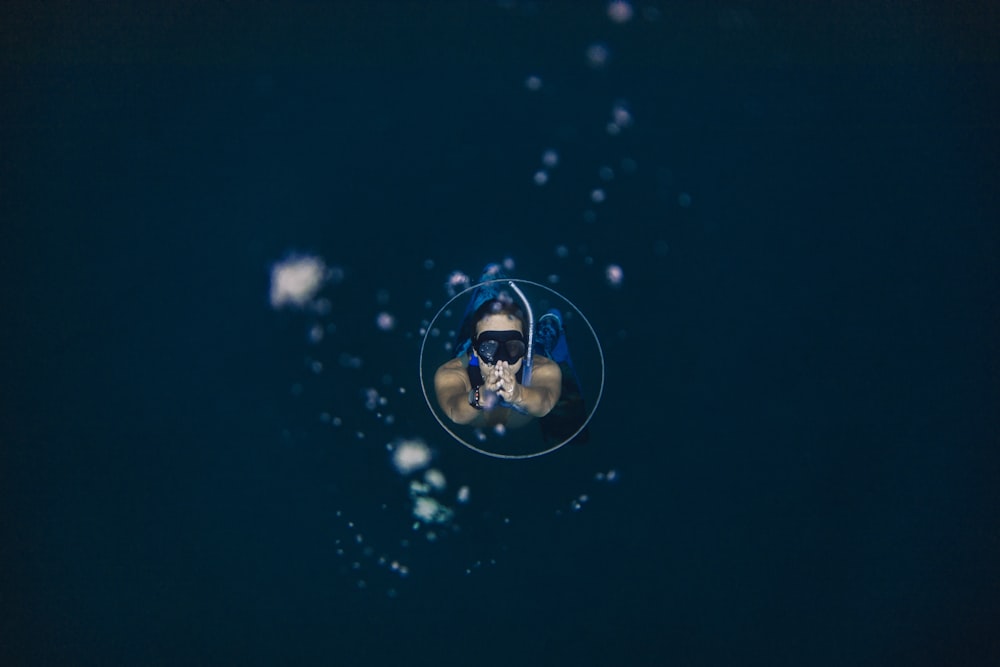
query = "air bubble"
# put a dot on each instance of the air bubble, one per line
(409, 456)
(614, 275)
(295, 281)
(620, 11)
(598, 55)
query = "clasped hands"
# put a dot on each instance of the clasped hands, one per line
(503, 381)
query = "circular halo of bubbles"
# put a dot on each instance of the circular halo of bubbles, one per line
(587, 369)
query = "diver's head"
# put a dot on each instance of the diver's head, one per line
(499, 333)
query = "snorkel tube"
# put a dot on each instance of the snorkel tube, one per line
(528, 353)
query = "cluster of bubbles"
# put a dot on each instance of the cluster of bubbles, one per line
(412, 455)
(598, 56)
(296, 280)
(436, 509)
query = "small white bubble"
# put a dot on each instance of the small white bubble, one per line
(385, 321)
(410, 455)
(533, 83)
(597, 195)
(322, 306)
(614, 275)
(295, 280)
(349, 360)
(620, 114)
(562, 251)
(457, 281)
(488, 400)
(435, 478)
(620, 11)
(335, 275)
(598, 55)
(371, 398)
(550, 158)
(541, 177)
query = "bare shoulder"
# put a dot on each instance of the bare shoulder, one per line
(545, 370)
(452, 365)
(451, 372)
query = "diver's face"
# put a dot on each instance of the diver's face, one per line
(501, 323)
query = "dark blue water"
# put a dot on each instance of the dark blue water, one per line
(802, 370)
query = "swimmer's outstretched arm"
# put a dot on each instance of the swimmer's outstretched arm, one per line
(452, 386)
(539, 398)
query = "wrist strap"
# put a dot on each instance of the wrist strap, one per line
(474, 399)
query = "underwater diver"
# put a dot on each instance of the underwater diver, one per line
(485, 384)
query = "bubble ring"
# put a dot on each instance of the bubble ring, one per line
(430, 402)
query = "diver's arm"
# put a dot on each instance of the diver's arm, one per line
(452, 386)
(541, 396)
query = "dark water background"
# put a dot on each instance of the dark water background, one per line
(802, 361)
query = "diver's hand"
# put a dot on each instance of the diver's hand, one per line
(506, 383)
